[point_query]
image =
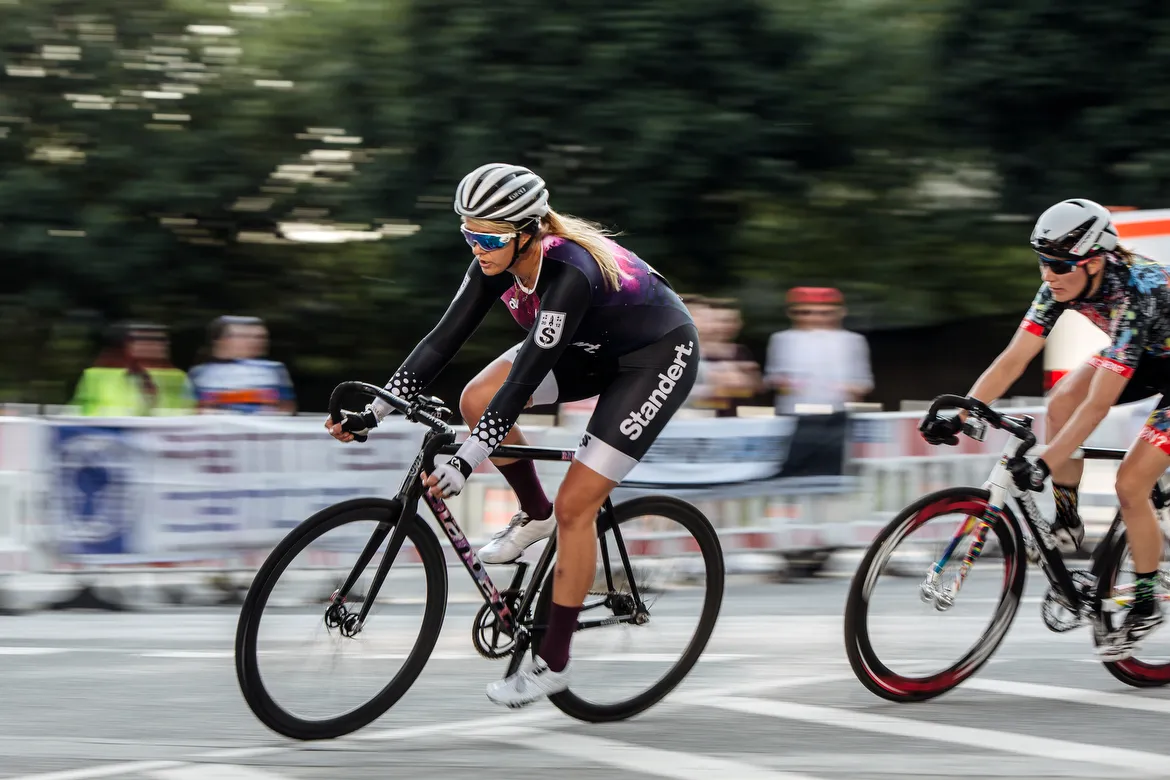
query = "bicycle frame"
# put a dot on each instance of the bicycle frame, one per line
(440, 440)
(1039, 539)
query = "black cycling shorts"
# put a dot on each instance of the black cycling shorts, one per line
(1151, 377)
(639, 393)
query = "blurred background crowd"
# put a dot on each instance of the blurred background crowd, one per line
(815, 366)
(182, 181)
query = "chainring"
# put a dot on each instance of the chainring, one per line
(1057, 616)
(490, 642)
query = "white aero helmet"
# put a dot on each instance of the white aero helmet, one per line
(498, 191)
(1074, 230)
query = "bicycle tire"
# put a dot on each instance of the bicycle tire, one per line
(1131, 671)
(248, 674)
(704, 533)
(867, 667)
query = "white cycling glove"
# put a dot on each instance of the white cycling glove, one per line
(452, 476)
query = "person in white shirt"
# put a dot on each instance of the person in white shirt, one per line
(817, 361)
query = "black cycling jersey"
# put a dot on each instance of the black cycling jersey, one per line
(570, 308)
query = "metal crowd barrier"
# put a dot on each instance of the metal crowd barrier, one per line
(52, 538)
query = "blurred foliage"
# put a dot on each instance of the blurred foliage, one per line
(1060, 97)
(152, 152)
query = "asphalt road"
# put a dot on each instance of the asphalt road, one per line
(102, 695)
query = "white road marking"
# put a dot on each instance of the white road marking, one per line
(186, 654)
(507, 719)
(409, 732)
(988, 739)
(756, 686)
(214, 772)
(629, 757)
(1074, 695)
(107, 770)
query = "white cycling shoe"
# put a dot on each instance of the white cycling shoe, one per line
(522, 532)
(531, 683)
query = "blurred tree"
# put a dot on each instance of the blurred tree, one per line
(153, 151)
(149, 156)
(1061, 97)
(658, 119)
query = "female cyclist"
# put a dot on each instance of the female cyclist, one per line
(1127, 296)
(600, 321)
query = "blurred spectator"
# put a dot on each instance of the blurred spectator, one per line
(236, 378)
(817, 361)
(728, 375)
(133, 376)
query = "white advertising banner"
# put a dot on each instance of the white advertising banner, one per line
(130, 490)
(709, 451)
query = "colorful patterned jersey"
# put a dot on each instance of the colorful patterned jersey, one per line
(1132, 307)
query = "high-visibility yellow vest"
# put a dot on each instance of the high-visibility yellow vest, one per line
(114, 392)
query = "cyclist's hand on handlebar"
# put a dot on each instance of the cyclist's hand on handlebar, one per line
(1028, 474)
(448, 478)
(941, 430)
(336, 432)
(354, 426)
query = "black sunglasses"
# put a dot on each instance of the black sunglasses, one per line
(1060, 267)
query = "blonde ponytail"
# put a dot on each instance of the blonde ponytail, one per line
(593, 238)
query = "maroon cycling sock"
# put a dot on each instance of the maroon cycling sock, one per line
(521, 475)
(562, 622)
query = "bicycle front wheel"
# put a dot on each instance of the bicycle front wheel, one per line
(626, 658)
(288, 614)
(947, 527)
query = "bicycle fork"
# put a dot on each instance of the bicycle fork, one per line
(932, 589)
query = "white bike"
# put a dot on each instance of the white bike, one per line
(1076, 596)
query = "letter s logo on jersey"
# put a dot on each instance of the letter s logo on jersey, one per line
(549, 329)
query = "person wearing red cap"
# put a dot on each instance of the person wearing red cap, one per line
(817, 361)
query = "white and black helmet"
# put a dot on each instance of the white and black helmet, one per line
(498, 191)
(1074, 229)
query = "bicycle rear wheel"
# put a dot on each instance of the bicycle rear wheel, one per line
(310, 605)
(1114, 596)
(961, 502)
(677, 564)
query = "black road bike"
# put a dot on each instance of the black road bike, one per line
(511, 622)
(1076, 596)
